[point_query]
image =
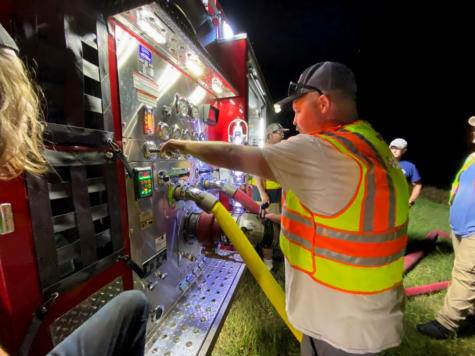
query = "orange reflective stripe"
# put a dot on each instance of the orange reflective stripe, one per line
(362, 249)
(294, 227)
(389, 235)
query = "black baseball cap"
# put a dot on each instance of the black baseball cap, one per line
(6, 40)
(320, 77)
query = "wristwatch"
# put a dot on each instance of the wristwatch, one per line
(411, 203)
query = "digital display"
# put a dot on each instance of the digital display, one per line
(143, 182)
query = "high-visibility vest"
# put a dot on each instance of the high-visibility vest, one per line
(455, 185)
(268, 184)
(359, 249)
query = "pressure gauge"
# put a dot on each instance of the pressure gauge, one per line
(186, 135)
(163, 131)
(182, 108)
(176, 132)
(195, 112)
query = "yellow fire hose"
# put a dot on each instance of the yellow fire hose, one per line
(264, 278)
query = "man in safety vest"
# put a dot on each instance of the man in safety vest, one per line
(267, 191)
(459, 300)
(344, 216)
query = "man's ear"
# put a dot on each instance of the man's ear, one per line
(325, 103)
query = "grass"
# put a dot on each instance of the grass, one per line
(253, 328)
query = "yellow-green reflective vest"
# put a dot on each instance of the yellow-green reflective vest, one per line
(268, 184)
(455, 185)
(361, 248)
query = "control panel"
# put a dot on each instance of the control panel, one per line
(143, 182)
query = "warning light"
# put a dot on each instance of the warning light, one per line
(148, 126)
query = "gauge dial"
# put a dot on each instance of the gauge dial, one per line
(163, 131)
(186, 135)
(182, 108)
(195, 113)
(176, 132)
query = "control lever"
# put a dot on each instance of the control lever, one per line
(209, 170)
(149, 148)
(178, 173)
(117, 153)
(262, 209)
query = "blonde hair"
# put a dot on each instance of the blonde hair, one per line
(21, 123)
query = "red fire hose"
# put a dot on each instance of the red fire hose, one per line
(249, 204)
(411, 259)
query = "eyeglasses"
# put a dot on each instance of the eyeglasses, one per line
(295, 87)
(279, 132)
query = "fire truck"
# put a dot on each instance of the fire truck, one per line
(120, 78)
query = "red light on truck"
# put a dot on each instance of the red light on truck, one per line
(148, 126)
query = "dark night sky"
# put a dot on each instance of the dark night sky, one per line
(414, 66)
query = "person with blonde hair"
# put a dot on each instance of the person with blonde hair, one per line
(118, 328)
(21, 124)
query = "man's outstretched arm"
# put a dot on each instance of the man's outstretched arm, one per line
(222, 154)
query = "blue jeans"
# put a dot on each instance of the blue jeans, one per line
(117, 329)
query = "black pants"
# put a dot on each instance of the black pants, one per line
(313, 347)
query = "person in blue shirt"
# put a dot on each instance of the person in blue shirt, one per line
(398, 147)
(459, 304)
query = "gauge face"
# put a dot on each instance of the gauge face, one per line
(176, 134)
(195, 113)
(186, 135)
(182, 108)
(163, 131)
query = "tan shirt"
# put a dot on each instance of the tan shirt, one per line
(325, 180)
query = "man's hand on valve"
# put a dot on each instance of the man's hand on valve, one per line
(172, 146)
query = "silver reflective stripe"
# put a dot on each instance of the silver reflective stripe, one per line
(296, 238)
(359, 261)
(297, 217)
(369, 200)
(392, 199)
(389, 236)
(368, 204)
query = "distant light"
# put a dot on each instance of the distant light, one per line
(150, 25)
(277, 108)
(195, 66)
(227, 30)
(216, 85)
(197, 95)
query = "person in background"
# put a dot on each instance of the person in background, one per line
(119, 327)
(343, 228)
(398, 147)
(460, 298)
(267, 191)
